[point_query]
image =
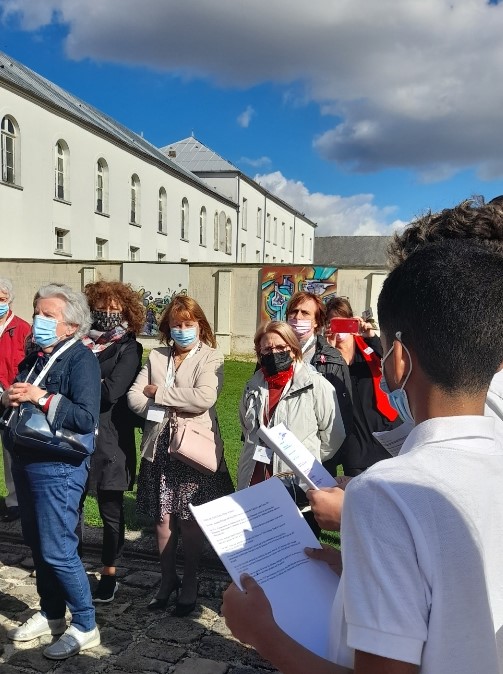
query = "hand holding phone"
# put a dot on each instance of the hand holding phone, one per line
(344, 325)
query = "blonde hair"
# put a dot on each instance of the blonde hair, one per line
(284, 331)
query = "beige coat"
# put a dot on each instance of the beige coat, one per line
(193, 395)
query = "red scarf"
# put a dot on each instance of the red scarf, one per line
(374, 363)
(278, 380)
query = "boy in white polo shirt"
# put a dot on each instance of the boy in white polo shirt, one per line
(422, 533)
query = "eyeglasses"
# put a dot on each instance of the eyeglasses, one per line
(274, 349)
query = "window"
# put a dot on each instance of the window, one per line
(134, 253)
(161, 257)
(228, 236)
(135, 200)
(302, 245)
(275, 231)
(244, 214)
(62, 241)
(310, 247)
(10, 151)
(101, 186)
(259, 223)
(161, 215)
(202, 227)
(283, 235)
(291, 240)
(274, 259)
(184, 220)
(267, 258)
(257, 256)
(222, 219)
(268, 227)
(101, 249)
(61, 166)
(215, 231)
(243, 252)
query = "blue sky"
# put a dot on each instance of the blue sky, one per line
(362, 114)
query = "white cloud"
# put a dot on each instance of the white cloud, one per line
(245, 117)
(334, 215)
(402, 84)
(255, 163)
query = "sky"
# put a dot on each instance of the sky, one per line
(361, 114)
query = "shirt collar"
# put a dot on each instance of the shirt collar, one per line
(473, 433)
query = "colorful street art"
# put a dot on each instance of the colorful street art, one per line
(155, 303)
(280, 283)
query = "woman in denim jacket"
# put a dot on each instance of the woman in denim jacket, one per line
(49, 489)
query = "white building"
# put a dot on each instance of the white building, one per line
(268, 229)
(76, 183)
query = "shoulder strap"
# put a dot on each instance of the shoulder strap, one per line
(120, 351)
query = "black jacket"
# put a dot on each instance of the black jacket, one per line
(113, 465)
(329, 362)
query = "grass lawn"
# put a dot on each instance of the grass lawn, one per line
(236, 374)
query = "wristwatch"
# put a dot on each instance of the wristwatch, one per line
(41, 401)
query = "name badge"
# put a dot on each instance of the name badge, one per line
(156, 413)
(263, 454)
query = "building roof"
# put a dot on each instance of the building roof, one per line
(351, 251)
(17, 74)
(195, 156)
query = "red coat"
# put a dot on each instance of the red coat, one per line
(12, 348)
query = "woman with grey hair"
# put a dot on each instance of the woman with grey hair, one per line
(13, 335)
(62, 378)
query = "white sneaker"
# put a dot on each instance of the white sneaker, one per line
(37, 626)
(72, 642)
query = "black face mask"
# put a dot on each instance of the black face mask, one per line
(276, 362)
(104, 321)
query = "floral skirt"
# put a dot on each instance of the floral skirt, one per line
(167, 486)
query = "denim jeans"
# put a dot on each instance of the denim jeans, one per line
(49, 494)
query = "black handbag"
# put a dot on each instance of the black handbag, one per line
(28, 428)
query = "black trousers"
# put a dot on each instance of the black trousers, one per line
(111, 506)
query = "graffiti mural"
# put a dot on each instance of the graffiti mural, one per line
(280, 283)
(155, 303)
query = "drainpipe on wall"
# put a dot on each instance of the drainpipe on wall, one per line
(263, 228)
(238, 219)
(293, 244)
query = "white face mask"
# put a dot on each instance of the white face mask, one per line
(341, 336)
(301, 326)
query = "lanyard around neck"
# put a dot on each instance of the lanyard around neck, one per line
(50, 362)
(3, 328)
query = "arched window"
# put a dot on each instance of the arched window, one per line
(61, 171)
(215, 231)
(135, 200)
(161, 217)
(184, 220)
(202, 227)
(222, 219)
(101, 186)
(10, 151)
(228, 236)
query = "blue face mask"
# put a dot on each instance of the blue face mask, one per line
(184, 336)
(44, 331)
(398, 398)
(4, 308)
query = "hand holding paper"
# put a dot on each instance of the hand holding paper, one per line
(289, 448)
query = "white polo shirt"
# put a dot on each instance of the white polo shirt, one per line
(494, 400)
(422, 545)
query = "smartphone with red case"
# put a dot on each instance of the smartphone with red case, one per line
(344, 325)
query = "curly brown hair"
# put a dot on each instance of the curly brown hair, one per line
(472, 220)
(187, 309)
(106, 291)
